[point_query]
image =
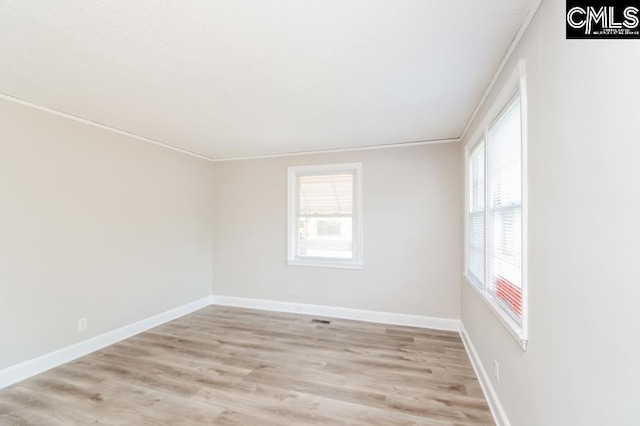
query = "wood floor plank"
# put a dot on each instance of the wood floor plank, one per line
(233, 366)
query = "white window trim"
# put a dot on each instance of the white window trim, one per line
(515, 84)
(292, 173)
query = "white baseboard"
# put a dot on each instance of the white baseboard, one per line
(24, 370)
(344, 313)
(499, 415)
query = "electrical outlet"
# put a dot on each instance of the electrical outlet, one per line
(82, 324)
(291, 289)
(496, 370)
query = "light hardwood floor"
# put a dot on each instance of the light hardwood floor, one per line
(231, 366)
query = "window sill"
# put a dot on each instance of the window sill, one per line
(324, 264)
(512, 327)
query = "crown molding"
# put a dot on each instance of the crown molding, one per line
(99, 125)
(204, 157)
(503, 63)
(330, 151)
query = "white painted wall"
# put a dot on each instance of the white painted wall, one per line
(412, 212)
(96, 225)
(581, 365)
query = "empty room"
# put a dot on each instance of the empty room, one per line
(305, 212)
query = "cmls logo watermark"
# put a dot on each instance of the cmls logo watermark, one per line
(604, 19)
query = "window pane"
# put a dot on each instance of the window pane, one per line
(476, 215)
(505, 210)
(476, 173)
(329, 227)
(313, 242)
(329, 194)
(475, 250)
(325, 216)
(505, 153)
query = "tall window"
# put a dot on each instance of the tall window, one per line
(494, 240)
(505, 210)
(324, 215)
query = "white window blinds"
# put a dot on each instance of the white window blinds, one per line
(476, 215)
(504, 159)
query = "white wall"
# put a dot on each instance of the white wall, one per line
(96, 225)
(581, 366)
(412, 214)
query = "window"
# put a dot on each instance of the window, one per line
(476, 221)
(325, 226)
(495, 242)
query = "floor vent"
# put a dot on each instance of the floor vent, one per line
(319, 321)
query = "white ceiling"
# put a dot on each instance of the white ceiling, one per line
(233, 78)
